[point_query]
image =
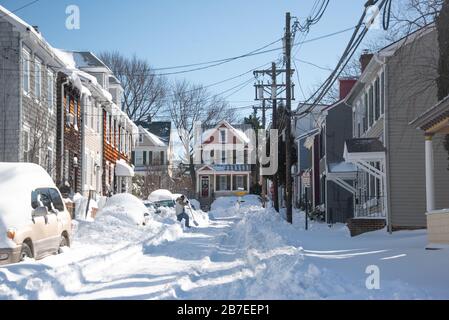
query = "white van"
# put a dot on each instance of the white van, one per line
(34, 221)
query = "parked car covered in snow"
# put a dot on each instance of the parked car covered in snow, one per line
(162, 198)
(34, 221)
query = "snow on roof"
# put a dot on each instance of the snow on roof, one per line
(160, 195)
(123, 169)
(154, 138)
(19, 22)
(237, 132)
(342, 167)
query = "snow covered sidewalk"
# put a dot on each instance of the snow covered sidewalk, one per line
(250, 253)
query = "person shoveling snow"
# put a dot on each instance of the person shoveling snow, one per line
(180, 208)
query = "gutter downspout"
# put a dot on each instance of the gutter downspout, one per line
(20, 98)
(387, 155)
(62, 131)
(84, 100)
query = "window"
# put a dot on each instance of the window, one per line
(40, 198)
(162, 158)
(223, 183)
(139, 158)
(382, 93)
(50, 90)
(108, 128)
(377, 99)
(371, 106)
(365, 116)
(223, 156)
(67, 106)
(56, 199)
(49, 160)
(240, 182)
(37, 78)
(26, 145)
(75, 121)
(26, 71)
(223, 136)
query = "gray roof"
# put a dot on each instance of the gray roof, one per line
(162, 129)
(365, 145)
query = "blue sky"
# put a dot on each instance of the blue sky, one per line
(177, 32)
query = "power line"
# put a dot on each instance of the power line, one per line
(20, 8)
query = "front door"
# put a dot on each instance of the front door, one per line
(205, 187)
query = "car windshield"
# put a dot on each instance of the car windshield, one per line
(165, 203)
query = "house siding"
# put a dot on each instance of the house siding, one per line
(9, 94)
(412, 90)
(20, 110)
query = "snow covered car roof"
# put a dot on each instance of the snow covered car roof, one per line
(17, 182)
(160, 195)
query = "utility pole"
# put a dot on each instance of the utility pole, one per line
(275, 126)
(275, 91)
(288, 129)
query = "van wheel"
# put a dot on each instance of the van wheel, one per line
(64, 243)
(25, 252)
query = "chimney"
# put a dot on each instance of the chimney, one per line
(365, 59)
(36, 28)
(346, 85)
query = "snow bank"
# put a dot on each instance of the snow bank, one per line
(127, 207)
(81, 206)
(230, 206)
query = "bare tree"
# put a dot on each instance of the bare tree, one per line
(145, 92)
(190, 104)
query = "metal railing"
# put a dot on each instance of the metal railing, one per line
(370, 207)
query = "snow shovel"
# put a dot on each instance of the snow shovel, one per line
(193, 216)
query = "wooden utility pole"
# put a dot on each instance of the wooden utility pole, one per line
(288, 127)
(275, 126)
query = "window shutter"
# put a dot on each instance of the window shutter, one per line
(144, 157)
(234, 183)
(217, 183)
(228, 182)
(245, 182)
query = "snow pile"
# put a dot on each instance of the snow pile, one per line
(81, 206)
(125, 207)
(230, 206)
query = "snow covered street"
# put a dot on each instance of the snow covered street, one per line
(250, 253)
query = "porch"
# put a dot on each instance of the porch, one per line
(222, 181)
(434, 122)
(369, 189)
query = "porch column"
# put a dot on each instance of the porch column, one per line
(232, 185)
(198, 183)
(247, 186)
(430, 183)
